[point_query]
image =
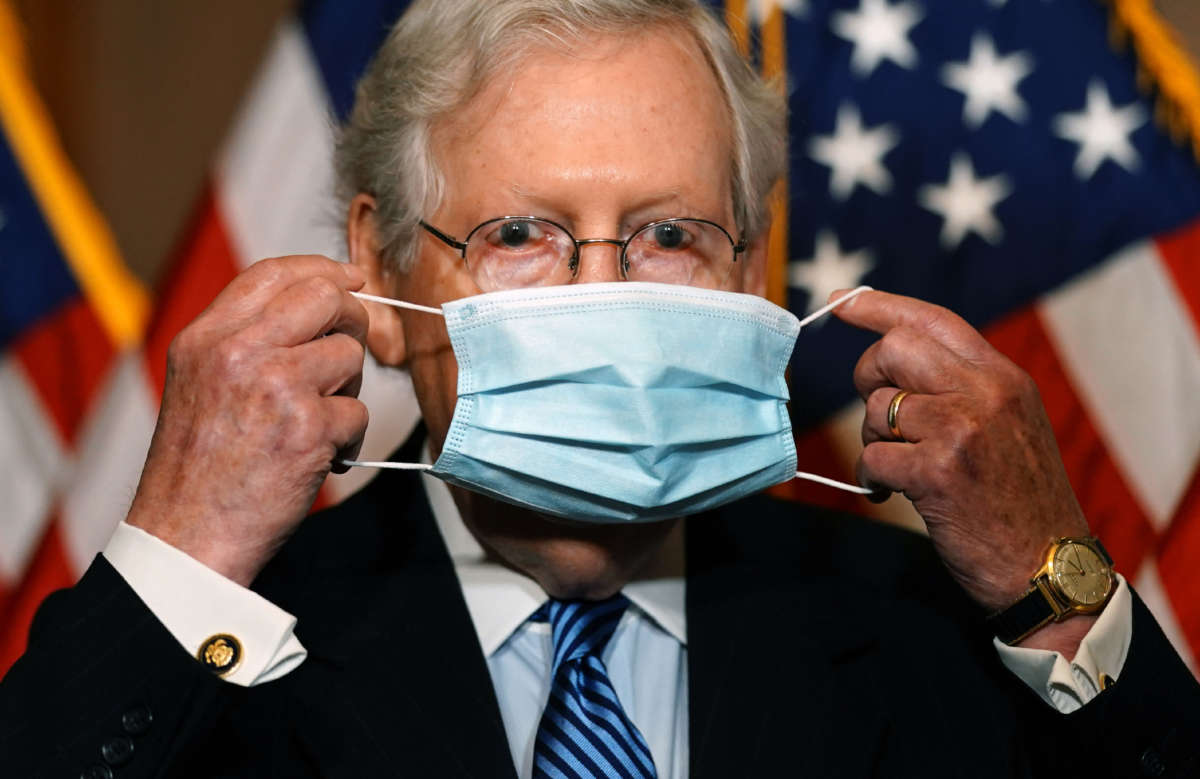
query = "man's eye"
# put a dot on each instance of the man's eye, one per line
(515, 234)
(671, 236)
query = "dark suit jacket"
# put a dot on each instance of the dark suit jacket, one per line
(819, 645)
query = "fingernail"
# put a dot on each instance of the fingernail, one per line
(354, 273)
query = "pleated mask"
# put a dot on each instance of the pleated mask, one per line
(620, 401)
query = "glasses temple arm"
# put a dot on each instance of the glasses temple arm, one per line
(436, 233)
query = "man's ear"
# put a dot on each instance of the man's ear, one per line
(754, 275)
(385, 334)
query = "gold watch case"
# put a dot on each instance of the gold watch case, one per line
(1076, 578)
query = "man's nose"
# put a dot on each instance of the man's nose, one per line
(599, 260)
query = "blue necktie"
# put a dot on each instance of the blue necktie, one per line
(584, 731)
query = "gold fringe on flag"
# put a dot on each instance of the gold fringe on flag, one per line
(773, 40)
(774, 69)
(1164, 68)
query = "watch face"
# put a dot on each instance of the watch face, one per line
(1081, 574)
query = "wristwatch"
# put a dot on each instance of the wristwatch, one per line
(1077, 578)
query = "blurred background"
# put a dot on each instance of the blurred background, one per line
(1031, 164)
(143, 92)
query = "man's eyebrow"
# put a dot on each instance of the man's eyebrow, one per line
(643, 203)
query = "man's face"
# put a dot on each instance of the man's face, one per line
(602, 141)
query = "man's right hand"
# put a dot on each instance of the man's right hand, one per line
(260, 402)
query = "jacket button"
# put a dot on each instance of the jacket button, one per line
(117, 750)
(1152, 763)
(137, 721)
(96, 771)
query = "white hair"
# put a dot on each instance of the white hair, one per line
(441, 53)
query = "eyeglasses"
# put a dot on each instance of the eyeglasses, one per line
(527, 251)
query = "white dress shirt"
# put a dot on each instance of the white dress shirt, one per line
(646, 657)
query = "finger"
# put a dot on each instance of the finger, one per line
(347, 426)
(909, 360)
(332, 365)
(312, 307)
(250, 290)
(882, 312)
(892, 467)
(918, 416)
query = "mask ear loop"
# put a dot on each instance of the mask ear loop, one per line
(820, 312)
(384, 463)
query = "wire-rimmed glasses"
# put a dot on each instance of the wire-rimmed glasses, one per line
(528, 251)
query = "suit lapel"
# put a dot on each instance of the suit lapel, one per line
(399, 644)
(780, 669)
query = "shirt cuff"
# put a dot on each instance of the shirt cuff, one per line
(194, 602)
(1069, 685)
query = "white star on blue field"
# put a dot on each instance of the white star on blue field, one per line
(976, 153)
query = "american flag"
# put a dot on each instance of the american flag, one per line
(997, 157)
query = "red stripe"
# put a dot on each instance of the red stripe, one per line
(66, 356)
(1180, 252)
(203, 267)
(1178, 555)
(1112, 511)
(49, 570)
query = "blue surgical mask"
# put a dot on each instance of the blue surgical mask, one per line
(619, 402)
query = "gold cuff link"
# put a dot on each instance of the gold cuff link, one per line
(220, 654)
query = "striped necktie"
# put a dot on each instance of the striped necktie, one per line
(584, 731)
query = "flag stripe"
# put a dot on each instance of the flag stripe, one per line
(206, 264)
(1177, 564)
(1109, 505)
(66, 356)
(1180, 251)
(32, 465)
(49, 570)
(1127, 344)
(281, 135)
(111, 449)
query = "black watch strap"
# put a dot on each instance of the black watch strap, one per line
(1022, 618)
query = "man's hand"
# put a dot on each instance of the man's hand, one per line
(978, 460)
(260, 399)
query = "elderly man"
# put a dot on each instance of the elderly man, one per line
(548, 613)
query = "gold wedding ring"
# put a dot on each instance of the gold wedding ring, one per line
(893, 418)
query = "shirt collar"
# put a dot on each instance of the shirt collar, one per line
(500, 599)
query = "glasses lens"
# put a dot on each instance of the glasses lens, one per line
(680, 251)
(519, 252)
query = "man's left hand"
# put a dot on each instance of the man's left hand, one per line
(978, 457)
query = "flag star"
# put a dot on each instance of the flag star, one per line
(878, 31)
(965, 203)
(1102, 131)
(989, 82)
(855, 154)
(760, 10)
(828, 270)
